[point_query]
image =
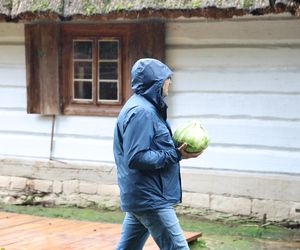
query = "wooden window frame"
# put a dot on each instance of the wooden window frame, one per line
(94, 33)
(49, 68)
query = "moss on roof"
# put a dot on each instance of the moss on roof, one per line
(64, 9)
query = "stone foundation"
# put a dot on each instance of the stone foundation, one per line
(20, 190)
(56, 183)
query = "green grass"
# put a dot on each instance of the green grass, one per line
(84, 214)
(233, 228)
(219, 235)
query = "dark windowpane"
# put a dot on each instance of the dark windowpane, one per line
(108, 91)
(108, 50)
(83, 50)
(108, 70)
(83, 70)
(82, 90)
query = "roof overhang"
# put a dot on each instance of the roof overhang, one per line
(104, 10)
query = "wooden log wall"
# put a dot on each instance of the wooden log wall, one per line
(241, 78)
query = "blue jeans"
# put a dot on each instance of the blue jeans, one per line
(162, 224)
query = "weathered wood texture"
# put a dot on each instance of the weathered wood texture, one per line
(30, 232)
(246, 94)
(147, 40)
(67, 34)
(49, 71)
(42, 68)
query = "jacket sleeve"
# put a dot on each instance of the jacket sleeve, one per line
(138, 135)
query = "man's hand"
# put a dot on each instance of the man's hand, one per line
(187, 155)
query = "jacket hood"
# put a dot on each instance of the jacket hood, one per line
(147, 79)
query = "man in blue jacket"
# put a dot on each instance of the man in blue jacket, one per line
(148, 162)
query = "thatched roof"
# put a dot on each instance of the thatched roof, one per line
(26, 10)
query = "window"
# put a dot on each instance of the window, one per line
(94, 81)
(103, 86)
(84, 69)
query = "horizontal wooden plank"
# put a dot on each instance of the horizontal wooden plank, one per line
(225, 58)
(13, 77)
(90, 126)
(12, 33)
(260, 134)
(215, 157)
(215, 32)
(234, 80)
(83, 149)
(12, 55)
(11, 97)
(21, 122)
(220, 104)
(82, 127)
(24, 145)
(218, 157)
(246, 159)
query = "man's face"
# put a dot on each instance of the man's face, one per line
(166, 87)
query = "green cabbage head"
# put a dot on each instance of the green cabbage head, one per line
(194, 134)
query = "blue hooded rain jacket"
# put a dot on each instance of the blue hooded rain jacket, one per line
(146, 157)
